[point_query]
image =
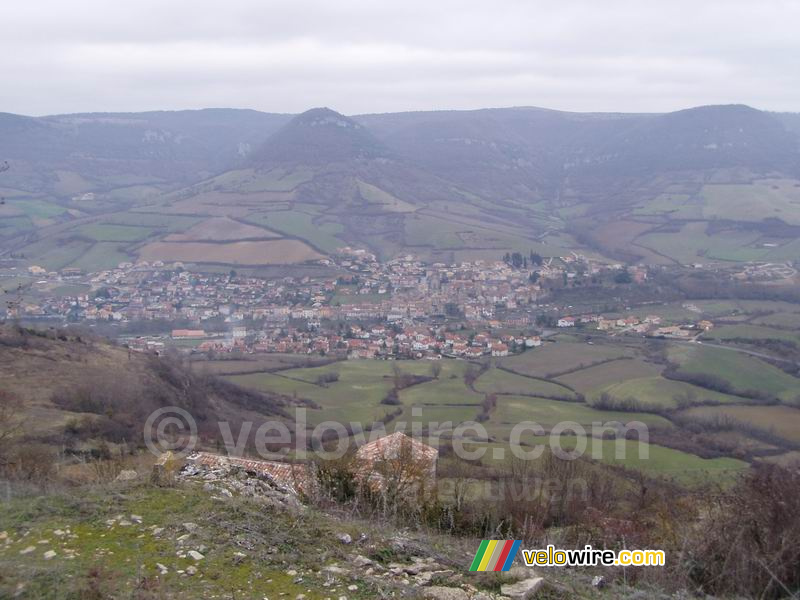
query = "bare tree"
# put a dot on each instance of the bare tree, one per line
(10, 423)
(404, 478)
(436, 369)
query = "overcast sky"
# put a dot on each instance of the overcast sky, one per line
(360, 56)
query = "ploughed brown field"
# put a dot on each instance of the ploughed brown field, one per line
(267, 252)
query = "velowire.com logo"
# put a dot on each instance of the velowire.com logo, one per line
(495, 555)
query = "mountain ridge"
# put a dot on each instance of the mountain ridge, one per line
(445, 184)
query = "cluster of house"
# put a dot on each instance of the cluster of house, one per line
(403, 291)
(358, 342)
(649, 325)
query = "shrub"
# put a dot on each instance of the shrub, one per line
(748, 544)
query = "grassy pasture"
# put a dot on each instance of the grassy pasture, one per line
(260, 363)
(787, 250)
(776, 198)
(618, 236)
(435, 416)
(39, 209)
(356, 396)
(301, 224)
(552, 359)
(467, 238)
(658, 461)
(678, 206)
(660, 393)
(752, 332)
(783, 420)
(107, 232)
(102, 255)
(692, 244)
(144, 219)
(375, 195)
(742, 371)
(674, 464)
(207, 204)
(547, 413)
(255, 180)
(593, 380)
(661, 461)
(424, 230)
(445, 391)
(10, 226)
(277, 180)
(502, 382)
(784, 320)
(55, 253)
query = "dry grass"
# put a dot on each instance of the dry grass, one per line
(278, 252)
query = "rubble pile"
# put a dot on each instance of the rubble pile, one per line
(227, 480)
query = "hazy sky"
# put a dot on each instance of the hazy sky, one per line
(375, 55)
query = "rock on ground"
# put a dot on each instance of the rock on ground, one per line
(444, 593)
(127, 475)
(523, 590)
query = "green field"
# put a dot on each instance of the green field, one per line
(547, 413)
(40, 209)
(777, 198)
(502, 382)
(376, 196)
(10, 226)
(170, 223)
(448, 390)
(782, 420)
(552, 359)
(253, 180)
(424, 230)
(277, 180)
(656, 461)
(784, 320)
(56, 253)
(752, 332)
(593, 380)
(673, 464)
(443, 233)
(106, 232)
(356, 396)
(256, 364)
(663, 394)
(301, 224)
(692, 244)
(102, 255)
(742, 371)
(678, 206)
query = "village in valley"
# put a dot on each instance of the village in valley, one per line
(403, 308)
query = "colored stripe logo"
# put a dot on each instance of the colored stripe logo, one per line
(495, 555)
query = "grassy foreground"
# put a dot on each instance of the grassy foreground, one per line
(136, 542)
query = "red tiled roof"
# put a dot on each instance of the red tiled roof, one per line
(390, 446)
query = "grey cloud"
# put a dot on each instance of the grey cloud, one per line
(359, 56)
